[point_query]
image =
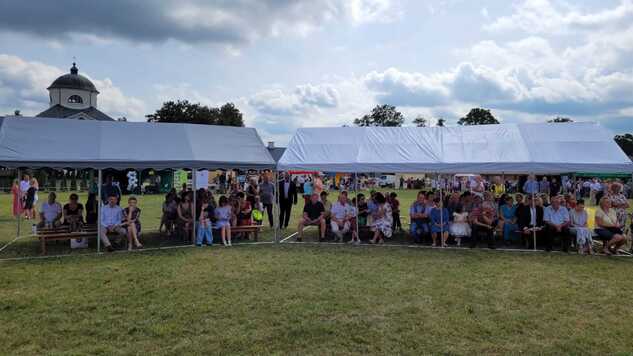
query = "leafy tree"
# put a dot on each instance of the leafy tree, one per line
(560, 119)
(420, 121)
(381, 115)
(478, 116)
(625, 142)
(184, 112)
(17, 113)
(440, 122)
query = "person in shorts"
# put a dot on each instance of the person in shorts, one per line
(313, 214)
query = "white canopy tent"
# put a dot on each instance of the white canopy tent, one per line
(505, 148)
(66, 143)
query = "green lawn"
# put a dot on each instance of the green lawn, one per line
(309, 299)
(316, 300)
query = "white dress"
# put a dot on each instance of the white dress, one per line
(383, 224)
(459, 227)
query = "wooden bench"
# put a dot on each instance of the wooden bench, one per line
(248, 229)
(62, 233)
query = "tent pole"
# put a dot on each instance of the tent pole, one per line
(20, 210)
(194, 208)
(276, 221)
(439, 183)
(99, 212)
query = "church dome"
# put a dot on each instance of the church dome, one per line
(73, 80)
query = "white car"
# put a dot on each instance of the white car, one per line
(388, 181)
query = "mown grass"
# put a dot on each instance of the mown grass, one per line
(282, 299)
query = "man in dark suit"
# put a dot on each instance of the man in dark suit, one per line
(287, 197)
(530, 220)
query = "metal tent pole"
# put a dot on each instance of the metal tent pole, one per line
(99, 212)
(194, 208)
(356, 199)
(439, 178)
(20, 210)
(536, 215)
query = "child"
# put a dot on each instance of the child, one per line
(395, 211)
(354, 215)
(205, 234)
(131, 219)
(363, 210)
(460, 228)
(258, 211)
(170, 214)
(439, 222)
(30, 201)
(223, 214)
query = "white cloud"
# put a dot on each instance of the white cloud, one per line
(23, 86)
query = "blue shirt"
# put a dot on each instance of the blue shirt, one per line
(417, 208)
(307, 188)
(439, 218)
(111, 216)
(530, 187)
(557, 217)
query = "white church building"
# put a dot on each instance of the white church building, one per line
(73, 96)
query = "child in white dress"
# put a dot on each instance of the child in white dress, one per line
(459, 228)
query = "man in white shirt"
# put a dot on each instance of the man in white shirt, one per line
(50, 213)
(341, 216)
(111, 220)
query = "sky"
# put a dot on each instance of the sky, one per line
(303, 63)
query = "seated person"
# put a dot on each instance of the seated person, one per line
(459, 227)
(92, 204)
(578, 226)
(51, 213)
(245, 210)
(483, 223)
(313, 214)
(419, 218)
(556, 219)
(111, 222)
(363, 210)
(326, 205)
(607, 227)
(185, 216)
(340, 217)
(382, 223)
(439, 222)
(170, 213)
(530, 221)
(223, 215)
(74, 213)
(132, 221)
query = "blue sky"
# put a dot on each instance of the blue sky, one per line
(289, 64)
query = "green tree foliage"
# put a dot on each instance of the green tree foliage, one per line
(440, 122)
(420, 121)
(184, 112)
(560, 119)
(381, 115)
(478, 116)
(625, 142)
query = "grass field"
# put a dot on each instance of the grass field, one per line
(309, 299)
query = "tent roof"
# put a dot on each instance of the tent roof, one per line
(504, 148)
(68, 143)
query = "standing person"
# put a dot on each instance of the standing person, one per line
(317, 184)
(29, 201)
(109, 189)
(554, 188)
(252, 190)
(267, 196)
(35, 185)
(111, 220)
(439, 222)
(556, 218)
(543, 186)
(395, 211)
(594, 188)
(531, 186)
(205, 232)
(223, 216)
(287, 197)
(477, 186)
(401, 182)
(307, 190)
(17, 198)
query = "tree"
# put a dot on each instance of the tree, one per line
(17, 113)
(420, 121)
(625, 142)
(184, 112)
(440, 122)
(559, 119)
(478, 116)
(381, 115)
